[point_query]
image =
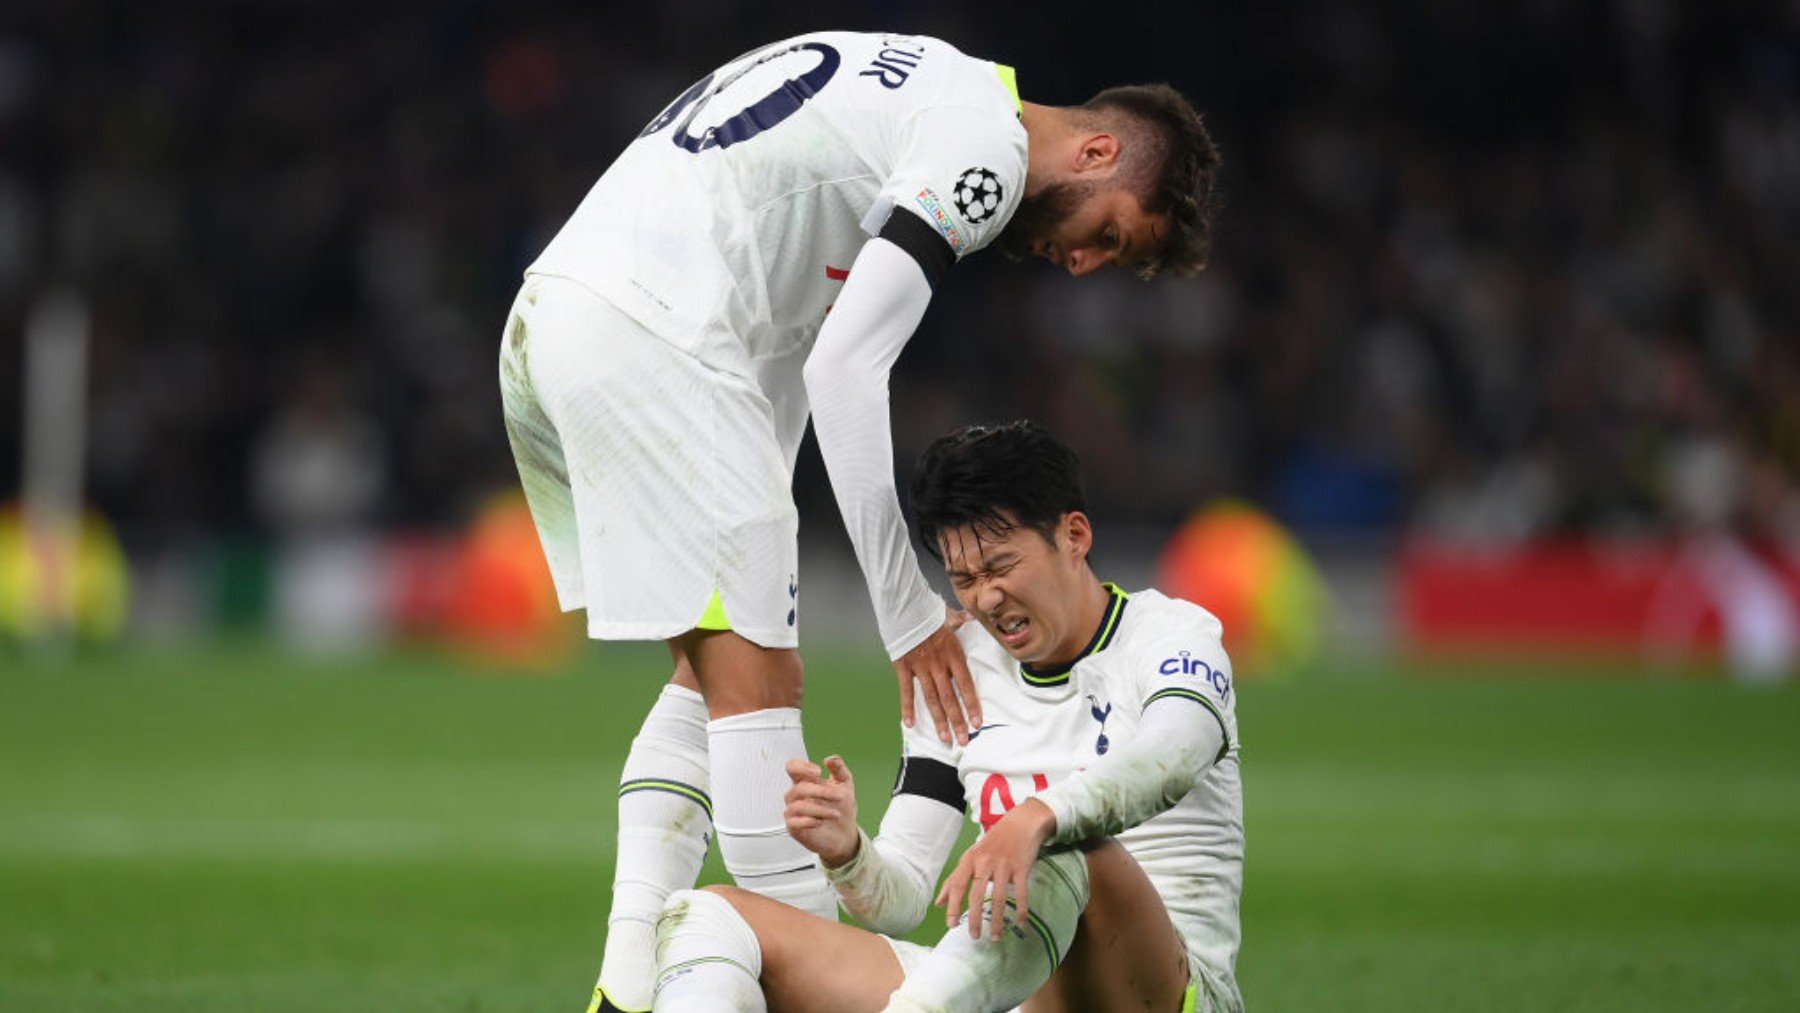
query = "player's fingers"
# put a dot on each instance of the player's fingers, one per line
(906, 697)
(997, 916)
(953, 712)
(979, 885)
(816, 793)
(1021, 892)
(811, 809)
(815, 789)
(801, 771)
(965, 687)
(951, 896)
(826, 805)
(803, 823)
(808, 789)
(936, 707)
(840, 771)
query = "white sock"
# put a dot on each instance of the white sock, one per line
(962, 973)
(707, 957)
(749, 775)
(665, 817)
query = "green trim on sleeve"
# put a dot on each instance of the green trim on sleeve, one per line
(1183, 693)
(1010, 78)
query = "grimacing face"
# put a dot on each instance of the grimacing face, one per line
(1028, 592)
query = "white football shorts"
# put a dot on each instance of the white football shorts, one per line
(659, 485)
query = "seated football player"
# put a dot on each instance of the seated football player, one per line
(1104, 780)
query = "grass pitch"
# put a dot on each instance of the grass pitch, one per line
(233, 829)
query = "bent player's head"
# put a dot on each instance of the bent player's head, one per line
(1129, 179)
(1002, 508)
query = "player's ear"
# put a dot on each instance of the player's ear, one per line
(1098, 153)
(1077, 535)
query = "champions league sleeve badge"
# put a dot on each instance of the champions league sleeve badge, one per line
(976, 195)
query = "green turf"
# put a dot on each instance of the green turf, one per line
(228, 829)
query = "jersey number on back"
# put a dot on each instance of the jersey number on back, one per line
(766, 112)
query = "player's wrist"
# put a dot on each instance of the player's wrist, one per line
(842, 858)
(842, 862)
(1039, 818)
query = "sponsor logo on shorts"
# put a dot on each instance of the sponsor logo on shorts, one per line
(941, 218)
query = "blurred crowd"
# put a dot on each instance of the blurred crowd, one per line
(1489, 271)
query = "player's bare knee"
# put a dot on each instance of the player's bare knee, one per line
(750, 906)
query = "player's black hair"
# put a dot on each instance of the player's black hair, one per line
(995, 479)
(1171, 164)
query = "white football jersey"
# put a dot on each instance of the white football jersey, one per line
(1042, 726)
(727, 227)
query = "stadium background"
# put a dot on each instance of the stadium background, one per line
(1501, 325)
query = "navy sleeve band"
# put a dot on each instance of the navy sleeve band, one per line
(932, 779)
(921, 242)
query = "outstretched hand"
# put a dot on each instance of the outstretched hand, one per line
(938, 666)
(821, 811)
(1001, 861)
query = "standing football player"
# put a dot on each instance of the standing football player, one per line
(664, 353)
(1105, 782)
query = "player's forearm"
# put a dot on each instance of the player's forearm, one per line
(886, 886)
(1140, 778)
(847, 385)
(881, 894)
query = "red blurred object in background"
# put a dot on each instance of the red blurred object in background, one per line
(500, 605)
(1660, 600)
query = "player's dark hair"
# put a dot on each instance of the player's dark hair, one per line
(1171, 164)
(995, 479)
